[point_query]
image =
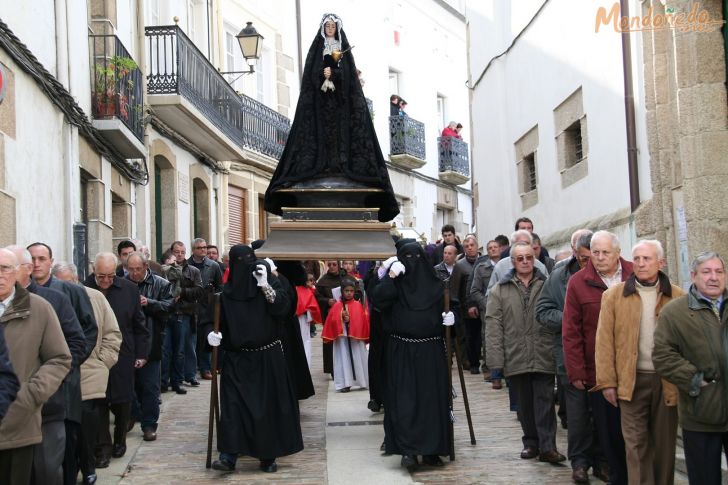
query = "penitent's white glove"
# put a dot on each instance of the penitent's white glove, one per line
(448, 319)
(214, 338)
(397, 269)
(388, 263)
(261, 275)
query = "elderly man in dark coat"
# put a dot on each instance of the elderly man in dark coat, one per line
(123, 297)
(258, 408)
(157, 303)
(324, 296)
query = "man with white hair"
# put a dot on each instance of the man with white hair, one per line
(41, 360)
(123, 297)
(48, 456)
(625, 373)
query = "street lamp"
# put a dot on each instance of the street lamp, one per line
(251, 44)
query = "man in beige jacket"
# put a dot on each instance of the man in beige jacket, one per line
(625, 373)
(94, 371)
(41, 360)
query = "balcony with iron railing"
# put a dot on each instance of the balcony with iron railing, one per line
(117, 95)
(406, 142)
(453, 161)
(190, 95)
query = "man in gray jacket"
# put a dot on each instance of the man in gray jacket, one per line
(516, 345)
(549, 312)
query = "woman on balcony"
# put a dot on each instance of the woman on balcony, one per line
(332, 134)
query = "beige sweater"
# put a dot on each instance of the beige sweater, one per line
(95, 371)
(648, 295)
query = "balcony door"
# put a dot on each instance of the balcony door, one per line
(237, 215)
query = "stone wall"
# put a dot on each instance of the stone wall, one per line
(687, 125)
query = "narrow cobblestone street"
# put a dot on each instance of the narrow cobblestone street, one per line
(341, 438)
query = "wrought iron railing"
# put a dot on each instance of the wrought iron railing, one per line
(407, 136)
(453, 155)
(176, 66)
(117, 84)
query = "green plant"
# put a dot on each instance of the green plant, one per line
(112, 81)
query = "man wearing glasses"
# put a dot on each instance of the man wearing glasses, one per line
(517, 347)
(123, 297)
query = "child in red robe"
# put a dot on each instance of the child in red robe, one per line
(347, 326)
(308, 313)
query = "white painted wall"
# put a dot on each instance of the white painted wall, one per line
(35, 167)
(558, 53)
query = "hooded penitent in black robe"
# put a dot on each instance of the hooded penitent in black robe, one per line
(292, 273)
(332, 132)
(258, 407)
(415, 378)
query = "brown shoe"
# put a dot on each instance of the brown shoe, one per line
(580, 475)
(150, 435)
(602, 473)
(207, 375)
(497, 384)
(529, 452)
(551, 456)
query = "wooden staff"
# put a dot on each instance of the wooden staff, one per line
(465, 392)
(214, 404)
(449, 375)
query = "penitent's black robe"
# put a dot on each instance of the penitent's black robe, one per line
(258, 408)
(293, 345)
(332, 135)
(415, 378)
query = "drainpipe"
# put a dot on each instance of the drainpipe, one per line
(634, 185)
(298, 40)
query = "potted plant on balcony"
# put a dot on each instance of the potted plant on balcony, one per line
(113, 83)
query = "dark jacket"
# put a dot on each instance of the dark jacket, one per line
(440, 248)
(81, 304)
(123, 297)
(442, 272)
(191, 290)
(324, 285)
(515, 342)
(68, 395)
(459, 289)
(691, 345)
(550, 306)
(159, 305)
(579, 323)
(478, 283)
(9, 384)
(211, 277)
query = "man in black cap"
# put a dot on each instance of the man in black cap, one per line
(410, 298)
(258, 408)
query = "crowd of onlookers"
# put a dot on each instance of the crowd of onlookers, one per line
(72, 352)
(620, 349)
(627, 350)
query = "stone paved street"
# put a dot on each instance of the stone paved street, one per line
(342, 439)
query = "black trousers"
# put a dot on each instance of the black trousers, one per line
(535, 393)
(702, 456)
(473, 340)
(87, 437)
(122, 414)
(70, 461)
(584, 449)
(48, 454)
(16, 465)
(608, 422)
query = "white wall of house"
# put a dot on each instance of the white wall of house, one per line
(522, 89)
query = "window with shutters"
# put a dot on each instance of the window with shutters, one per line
(238, 212)
(526, 151)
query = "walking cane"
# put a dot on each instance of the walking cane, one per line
(465, 392)
(449, 375)
(214, 405)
